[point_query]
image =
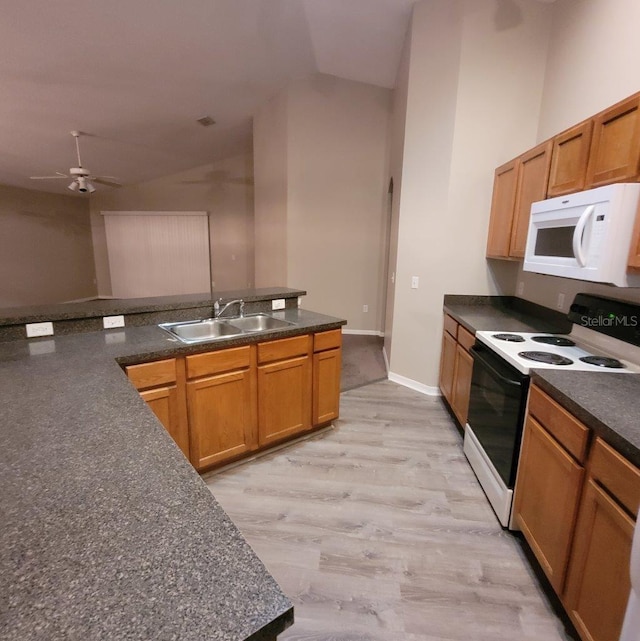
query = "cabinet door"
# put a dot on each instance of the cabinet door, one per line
(166, 404)
(598, 582)
(284, 399)
(447, 365)
(502, 209)
(462, 384)
(533, 178)
(546, 499)
(615, 149)
(569, 159)
(222, 417)
(326, 386)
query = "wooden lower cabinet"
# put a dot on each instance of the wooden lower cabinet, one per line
(447, 365)
(546, 499)
(222, 405)
(161, 385)
(462, 384)
(222, 417)
(326, 386)
(456, 367)
(284, 388)
(327, 370)
(580, 531)
(598, 583)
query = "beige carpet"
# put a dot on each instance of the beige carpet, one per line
(362, 361)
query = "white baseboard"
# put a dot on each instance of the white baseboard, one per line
(414, 385)
(363, 332)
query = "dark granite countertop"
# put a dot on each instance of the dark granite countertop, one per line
(504, 313)
(106, 530)
(115, 306)
(605, 402)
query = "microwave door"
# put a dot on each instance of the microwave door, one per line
(560, 242)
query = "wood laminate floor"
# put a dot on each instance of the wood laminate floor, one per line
(378, 530)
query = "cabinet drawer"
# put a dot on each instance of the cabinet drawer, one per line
(450, 326)
(465, 338)
(566, 429)
(284, 348)
(218, 362)
(152, 374)
(327, 340)
(616, 474)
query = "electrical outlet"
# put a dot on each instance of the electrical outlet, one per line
(560, 304)
(277, 303)
(415, 281)
(365, 308)
(520, 288)
(109, 322)
(39, 329)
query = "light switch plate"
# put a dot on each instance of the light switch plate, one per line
(415, 282)
(109, 322)
(39, 329)
(277, 303)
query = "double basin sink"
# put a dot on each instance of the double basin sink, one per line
(209, 329)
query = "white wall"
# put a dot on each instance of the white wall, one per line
(396, 149)
(594, 61)
(223, 188)
(474, 86)
(326, 215)
(337, 185)
(46, 254)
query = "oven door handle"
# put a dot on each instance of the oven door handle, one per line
(486, 363)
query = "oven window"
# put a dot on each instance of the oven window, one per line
(496, 407)
(555, 241)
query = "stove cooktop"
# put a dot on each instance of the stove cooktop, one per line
(536, 350)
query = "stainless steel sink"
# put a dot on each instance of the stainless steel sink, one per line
(258, 323)
(211, 329)
(201, 331)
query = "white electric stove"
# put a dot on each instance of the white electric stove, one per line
(583, 350)
(605, 338)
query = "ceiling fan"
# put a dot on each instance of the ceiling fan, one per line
(81, 178)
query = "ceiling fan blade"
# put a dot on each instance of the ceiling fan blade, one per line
(109, 183)
(58, 175)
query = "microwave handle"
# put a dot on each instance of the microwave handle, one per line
(577, 235)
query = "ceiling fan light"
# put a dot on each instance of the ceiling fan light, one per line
(90, 187)
(73, 186)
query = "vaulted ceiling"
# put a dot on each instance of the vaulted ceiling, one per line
(136, 74)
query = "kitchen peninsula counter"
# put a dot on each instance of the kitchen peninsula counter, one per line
(107, 532)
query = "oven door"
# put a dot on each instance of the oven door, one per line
(496, 410)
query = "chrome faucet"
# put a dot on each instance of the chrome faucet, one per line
(217, 311)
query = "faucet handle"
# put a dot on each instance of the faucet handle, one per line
(241, 307)
(216, 307)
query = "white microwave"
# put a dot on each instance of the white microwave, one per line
(586, 236)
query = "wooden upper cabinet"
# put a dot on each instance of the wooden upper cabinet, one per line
(502, 207)
(569, 158)
(615, 147)
(533, 178)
